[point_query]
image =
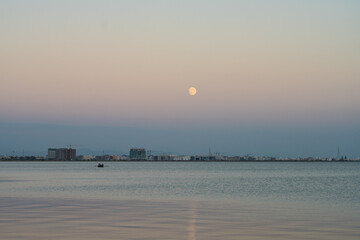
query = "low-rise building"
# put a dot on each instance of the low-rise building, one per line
(86, 157)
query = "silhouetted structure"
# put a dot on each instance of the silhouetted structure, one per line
(61, 154)
(138, 153)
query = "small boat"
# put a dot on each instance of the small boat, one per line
(100, 165)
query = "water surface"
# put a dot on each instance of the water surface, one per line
(164, 200)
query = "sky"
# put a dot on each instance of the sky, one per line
(279, 78)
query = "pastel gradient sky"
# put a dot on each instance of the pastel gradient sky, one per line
(268, 71)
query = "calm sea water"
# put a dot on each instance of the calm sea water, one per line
(164, 200)
(327, 183)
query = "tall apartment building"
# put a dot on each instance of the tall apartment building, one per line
(61, 154)
(138, 153)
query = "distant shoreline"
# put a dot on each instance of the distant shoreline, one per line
(142, 160)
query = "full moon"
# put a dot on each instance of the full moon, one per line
(192, 91)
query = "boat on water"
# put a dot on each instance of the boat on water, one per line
(100, 165)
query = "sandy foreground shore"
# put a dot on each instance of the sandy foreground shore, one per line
(124, 219)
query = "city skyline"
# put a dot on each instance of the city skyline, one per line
(70, 153)
(273, 78)
(118, 140)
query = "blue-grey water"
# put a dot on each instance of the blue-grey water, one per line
(278, 192)
(333, 183)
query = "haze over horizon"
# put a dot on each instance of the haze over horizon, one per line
(278, 78)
